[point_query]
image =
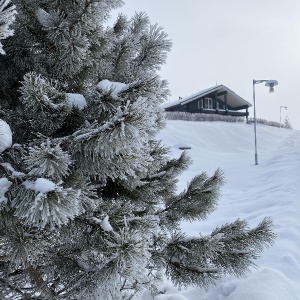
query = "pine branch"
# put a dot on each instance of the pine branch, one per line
(7, 17)
(230, 249)
(198, 200)
(40, 282)
(7, 283)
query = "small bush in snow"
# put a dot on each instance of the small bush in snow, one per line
(286, 123)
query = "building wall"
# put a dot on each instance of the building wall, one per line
(181, 108)
(192, 106)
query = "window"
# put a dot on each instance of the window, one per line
(208, 103)
(200, 104)
(218, 105)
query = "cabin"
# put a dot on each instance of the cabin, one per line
(215, 100)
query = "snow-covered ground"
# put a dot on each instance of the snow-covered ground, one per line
(252, 192)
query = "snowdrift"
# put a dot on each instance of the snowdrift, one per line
(252, 192)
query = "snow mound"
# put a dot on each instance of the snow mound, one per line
(251, 192)
(170, 297)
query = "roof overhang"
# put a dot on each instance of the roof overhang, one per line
(234, 100)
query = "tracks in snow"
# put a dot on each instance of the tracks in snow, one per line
(294, 142)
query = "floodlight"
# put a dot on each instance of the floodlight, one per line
(271, 84)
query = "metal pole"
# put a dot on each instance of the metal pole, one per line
(256, 161)
(280, 114)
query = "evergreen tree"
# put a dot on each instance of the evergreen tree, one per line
(287, 124)
(88, 202)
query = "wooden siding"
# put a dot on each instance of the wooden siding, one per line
(192, 107)
(180, 108)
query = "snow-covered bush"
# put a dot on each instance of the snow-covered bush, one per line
(201, 117)
(286, 125)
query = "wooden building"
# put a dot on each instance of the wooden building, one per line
(215, 100)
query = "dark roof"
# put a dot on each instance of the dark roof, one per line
(233, 99)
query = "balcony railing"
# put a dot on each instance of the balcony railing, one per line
(224, 112)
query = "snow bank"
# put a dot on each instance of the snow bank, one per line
(170, 297)
(251, 192)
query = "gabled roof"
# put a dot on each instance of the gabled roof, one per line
(233, 99)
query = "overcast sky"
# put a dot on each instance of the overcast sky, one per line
(232, 42)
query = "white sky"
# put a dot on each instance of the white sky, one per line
(231, 42)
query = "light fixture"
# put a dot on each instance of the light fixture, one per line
(271, 84)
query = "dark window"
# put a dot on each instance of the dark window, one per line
(200, 104)
(208, 103)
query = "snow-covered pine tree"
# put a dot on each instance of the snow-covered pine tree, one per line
(287, 124)
(88, 202)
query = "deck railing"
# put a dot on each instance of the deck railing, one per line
(185, 116)
(224, 112)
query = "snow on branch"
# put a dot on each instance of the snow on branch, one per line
(76, 100)
(43, 202)
(4, 186)
(5, 136)
(13, 172)
(43, 17)
(105, 225)
(83, 134)
(114, 88)
(7, 17)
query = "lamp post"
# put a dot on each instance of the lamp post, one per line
(280, 111)
(270, 84)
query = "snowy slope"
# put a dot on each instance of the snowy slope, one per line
(252, 192)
